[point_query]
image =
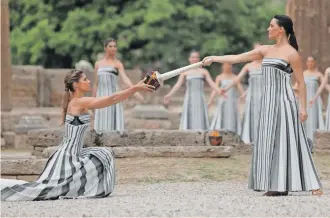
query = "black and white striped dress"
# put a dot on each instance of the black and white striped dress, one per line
(281, 159)
(194, 115)
(72, 171)
(315, 117)
(110, 118)
(226, 115)
(252, 106)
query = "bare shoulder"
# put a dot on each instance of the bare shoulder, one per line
(119, 64)
(319, 74)
(327, 71)
(293, 55)
(264, 49)
(97, 63)
(204, 71)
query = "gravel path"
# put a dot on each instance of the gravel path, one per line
(179, 199)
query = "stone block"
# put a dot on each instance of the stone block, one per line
(27, 123)
(55, 91)
(37, 153)
(47, 152)
(9, 138)
(322, 140)
(24, 86)
(22, 142)
(54, 136)
(173, 151)
(3, 143)
(28, 178)
(39, 148)
(45, 137)
(6, 121)
(146, 111)
(153, 138)
(133, 124)
(22, 166)
(8, 177)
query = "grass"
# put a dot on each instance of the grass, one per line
(235, 168)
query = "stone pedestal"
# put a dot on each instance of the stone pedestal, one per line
(149, 117)
(25, 124)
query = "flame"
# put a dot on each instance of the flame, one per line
(153, 75)
(215, 133)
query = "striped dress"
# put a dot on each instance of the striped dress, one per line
(327, 122)
(226, 115)
(252, 107)
(71, 172)
(110, 118)
(281, 159)
(194, 115)
(315, 118)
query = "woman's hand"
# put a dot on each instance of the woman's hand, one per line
(207, 61)
(141, 86)
(242, 98)
(311, 102)
(303, 115)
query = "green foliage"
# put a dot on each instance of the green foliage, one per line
(59, 33)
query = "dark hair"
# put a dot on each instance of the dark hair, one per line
(107, 41)
(193, 51)
(71, 77)
(286, 22)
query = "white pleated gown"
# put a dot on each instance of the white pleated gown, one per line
(315, 118)
(226, 115)
(71, 172)
(194, 115)
(111, 118)
(252, 107)
(281, 159)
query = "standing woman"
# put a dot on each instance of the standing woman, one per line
(254, 93)
(226, 115)
(312, 79)
(281, 159)
(324, 85)
(194, 115)
(107, 73)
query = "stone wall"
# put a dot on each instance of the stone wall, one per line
(35, 86)
(141, 143)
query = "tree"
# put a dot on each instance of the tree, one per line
(59, 33)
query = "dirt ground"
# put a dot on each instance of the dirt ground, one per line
(235, 168)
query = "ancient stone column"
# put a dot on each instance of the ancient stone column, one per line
(312, 27)
(5, 58)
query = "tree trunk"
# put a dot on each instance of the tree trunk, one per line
(312, 28)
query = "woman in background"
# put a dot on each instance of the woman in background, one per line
(312, 79)
(254, 93)
(324, 85)
(107, 73)
(226, 115)
(194, 115)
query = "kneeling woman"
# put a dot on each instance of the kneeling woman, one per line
(73, 171)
